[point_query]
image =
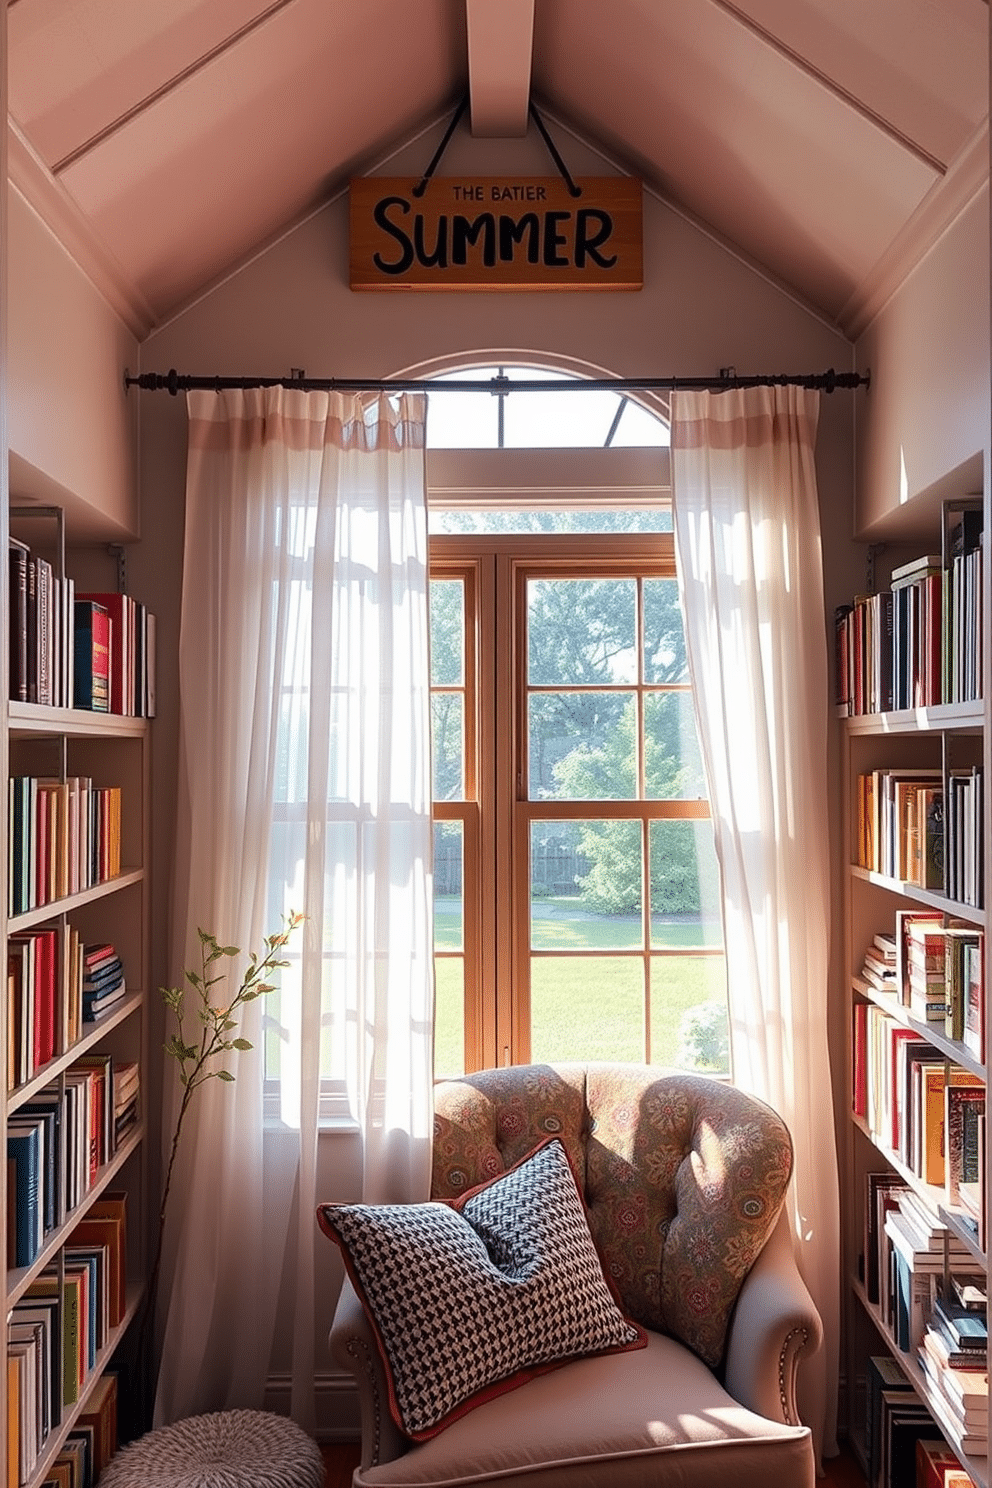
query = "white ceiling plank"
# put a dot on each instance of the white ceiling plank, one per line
(500, 43)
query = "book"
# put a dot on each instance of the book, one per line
(97, 979)
(74, 1325)
(919, 934)
(18, 554)
(91, 679)
(915, 568)
(33, 1329)
(119, 610)
(957, 938)
(882, 1374)
(45, 1310)
(904, 1420)
(973, 1035)
(964, 1106)
(105, 1223)
(965, 1328)
(882, 1191)
(937, 1466)
(100, 1418)
(25, 1151)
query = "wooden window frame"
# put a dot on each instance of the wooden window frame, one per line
(496, 813)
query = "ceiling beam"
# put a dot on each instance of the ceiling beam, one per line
(500, 43)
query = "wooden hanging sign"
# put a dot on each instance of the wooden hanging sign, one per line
(496, 232)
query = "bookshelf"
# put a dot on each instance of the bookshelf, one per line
(912, 690)
(77, 883)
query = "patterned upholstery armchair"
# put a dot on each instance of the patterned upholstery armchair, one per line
(683, 1180)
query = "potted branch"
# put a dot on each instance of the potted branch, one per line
(201, 1061)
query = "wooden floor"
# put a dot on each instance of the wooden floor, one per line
(341, 1459)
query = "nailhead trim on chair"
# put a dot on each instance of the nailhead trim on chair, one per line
(789, 1418)
(358, 1347)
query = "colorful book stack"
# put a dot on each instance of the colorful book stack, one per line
(965, 629)
(92, 656)
(965, 879)
(63, 837)
(920, 953)
(916, 1247)
(103, 980)
(57, 1140)
(916, 632)
(41, 630)
(879, 969)
(915, 1103)
(900, 825)
(126, 1091)
(920, 642)
(896, 1421)
(131, 653)
(953, 1357)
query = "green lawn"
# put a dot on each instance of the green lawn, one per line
(587, 1007)
(560, 924)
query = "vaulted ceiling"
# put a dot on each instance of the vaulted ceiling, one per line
(818, 137)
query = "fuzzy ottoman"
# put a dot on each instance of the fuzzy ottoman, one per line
(227, 1449)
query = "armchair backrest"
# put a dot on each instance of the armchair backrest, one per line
(683, 1176)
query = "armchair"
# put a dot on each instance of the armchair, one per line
(683, 1180)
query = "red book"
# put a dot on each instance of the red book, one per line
(938, 1467)
(92, 638)
(96, 955)
(44, 1003)
(118, 608)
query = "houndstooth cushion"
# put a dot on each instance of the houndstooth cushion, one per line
(471, 1300)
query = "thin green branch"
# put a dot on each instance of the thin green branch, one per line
(196, 1062)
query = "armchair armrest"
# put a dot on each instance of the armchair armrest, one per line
(774, 1325)
(353, 1346)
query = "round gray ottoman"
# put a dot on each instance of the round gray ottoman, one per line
(228, 1449)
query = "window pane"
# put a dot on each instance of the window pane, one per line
(581, 632)
(685, 885)
(449, 1016)
(448, 902)
(462, 420)
(445, 519)
(586, 885)
(664, 633)
(447, 737)
(638, 428)
(586, 1007)
(579, 420)
(689, 1027)
(447, 632)
(673, 768)
(581, 746)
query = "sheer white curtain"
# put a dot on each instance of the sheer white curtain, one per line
(749, 558)
(304, 784)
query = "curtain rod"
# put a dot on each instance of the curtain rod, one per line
(181, 382)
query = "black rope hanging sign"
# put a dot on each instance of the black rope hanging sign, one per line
(470, 232)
